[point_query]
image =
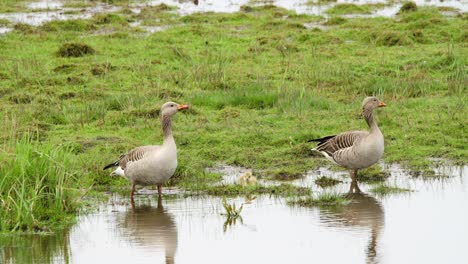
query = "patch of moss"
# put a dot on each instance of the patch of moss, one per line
(74, 50)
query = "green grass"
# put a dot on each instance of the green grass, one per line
(341, 9)
(373, 174)
(322, 200)
(259, 87)
(235, 189)
(37, 187)
(325, 182)
(383, 189)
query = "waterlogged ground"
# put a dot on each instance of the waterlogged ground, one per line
(426, 225)
(41, 11)
(260, 85)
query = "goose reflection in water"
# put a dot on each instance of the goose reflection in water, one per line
(151, 227)
(363, 211)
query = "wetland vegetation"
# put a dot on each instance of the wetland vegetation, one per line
(260, 84)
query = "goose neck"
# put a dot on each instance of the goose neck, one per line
(167, 129)
(369, 117)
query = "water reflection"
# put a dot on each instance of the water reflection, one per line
(363, 211)
(150, 227)
(48, 248)
(432, 220)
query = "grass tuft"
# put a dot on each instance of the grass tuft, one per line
(325, 182)
(75, 50)
(342, 9)
(383, 189)
(36, 187)
(373, 174)
(322, 200)
(235, 189)
(408, 7)
(335, 20)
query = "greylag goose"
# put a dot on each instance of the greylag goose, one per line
(355, 150)
(154, 164)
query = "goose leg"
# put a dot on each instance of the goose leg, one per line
(132, 191)
(354, 186)
(159, 190)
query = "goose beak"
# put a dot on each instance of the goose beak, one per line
(382, 104)
(181, 107)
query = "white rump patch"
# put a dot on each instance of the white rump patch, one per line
(325, 154)
(118, 172)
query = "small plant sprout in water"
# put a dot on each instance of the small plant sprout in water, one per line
(232, 212)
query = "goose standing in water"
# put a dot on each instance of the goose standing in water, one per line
(355, 150)
(154, 164)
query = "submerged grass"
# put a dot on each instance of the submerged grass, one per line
(373, 174)
(324, 199)
(341, 9)
(259, 83)
(325, 182)
(383, 189)
(280, 190)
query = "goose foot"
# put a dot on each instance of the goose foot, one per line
(354, 188)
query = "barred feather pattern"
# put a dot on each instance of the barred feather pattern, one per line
(135, 155)
(333, 144)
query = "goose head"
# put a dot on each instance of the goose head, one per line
(170, 108)
(370, 103)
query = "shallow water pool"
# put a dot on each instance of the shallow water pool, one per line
(427, 225)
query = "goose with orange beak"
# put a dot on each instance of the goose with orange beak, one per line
(152, 164)
(355, 150)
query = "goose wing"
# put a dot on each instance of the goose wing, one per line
(132, 156)
(334, 143)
